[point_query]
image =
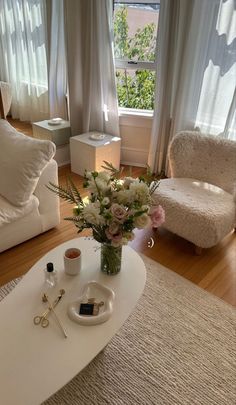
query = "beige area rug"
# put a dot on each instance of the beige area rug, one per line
(177, 348)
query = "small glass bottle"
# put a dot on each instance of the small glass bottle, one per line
(50, 275)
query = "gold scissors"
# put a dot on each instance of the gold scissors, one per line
(42, 319)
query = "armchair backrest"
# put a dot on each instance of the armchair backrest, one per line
(205, 158)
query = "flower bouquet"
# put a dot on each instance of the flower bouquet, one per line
(112, 210)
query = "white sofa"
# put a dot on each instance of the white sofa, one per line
(199, 198)
(27, 207)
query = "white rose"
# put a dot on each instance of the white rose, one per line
(105, 201)
(128, 181)
(142, 221)
(118, 185)
(92, 215)
(92, 187)
(88, 175)
(141, 191)
(97, 185)
(129, 236)
(125, 197)
(104, 176)
(102, 185)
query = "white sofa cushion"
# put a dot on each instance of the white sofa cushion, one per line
(9, 213)
(21, 230)
(42, 212)
(23, 159)
(197, 211)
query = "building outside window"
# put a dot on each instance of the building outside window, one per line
(135, 33)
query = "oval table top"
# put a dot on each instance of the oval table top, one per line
(36, 362)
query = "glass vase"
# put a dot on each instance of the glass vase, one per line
(110, 259)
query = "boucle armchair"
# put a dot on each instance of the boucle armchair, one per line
(199, 198)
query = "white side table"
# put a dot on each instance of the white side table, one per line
(89, 154)
(59, 134)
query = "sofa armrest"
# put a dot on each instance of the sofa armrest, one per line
(49, 207)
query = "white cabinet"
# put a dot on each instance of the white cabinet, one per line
(59, 134)
(89, 154)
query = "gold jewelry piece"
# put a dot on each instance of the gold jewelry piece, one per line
(97, 307)
(58, 320)
(42, 319)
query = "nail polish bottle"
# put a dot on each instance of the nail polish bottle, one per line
(50, 275)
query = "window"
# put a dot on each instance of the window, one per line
(135, 32)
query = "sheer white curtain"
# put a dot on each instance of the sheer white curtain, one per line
(57, 71)
(23, 57)
(217, 102)
(196, 72)
(91, 74)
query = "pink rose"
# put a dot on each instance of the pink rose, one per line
(157, 215)
(118, 211)
(112, 230)
(115, 239)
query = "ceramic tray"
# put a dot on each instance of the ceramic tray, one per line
(97, 137)
(100, 293)
(55, 121)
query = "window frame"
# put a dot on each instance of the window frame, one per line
(126, 64)
(133, 65)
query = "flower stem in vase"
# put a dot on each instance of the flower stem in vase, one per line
(110, 259)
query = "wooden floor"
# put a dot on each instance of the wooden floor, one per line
(214, 270)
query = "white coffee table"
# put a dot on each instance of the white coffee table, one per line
(36, 362)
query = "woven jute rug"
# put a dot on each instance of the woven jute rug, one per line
(177, 348)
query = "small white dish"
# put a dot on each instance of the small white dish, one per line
(55, 121)
(100, 293)
(97, 137)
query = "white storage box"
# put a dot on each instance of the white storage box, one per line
(59, 133)
(89, 154)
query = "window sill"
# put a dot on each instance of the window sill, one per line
(133, 112)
